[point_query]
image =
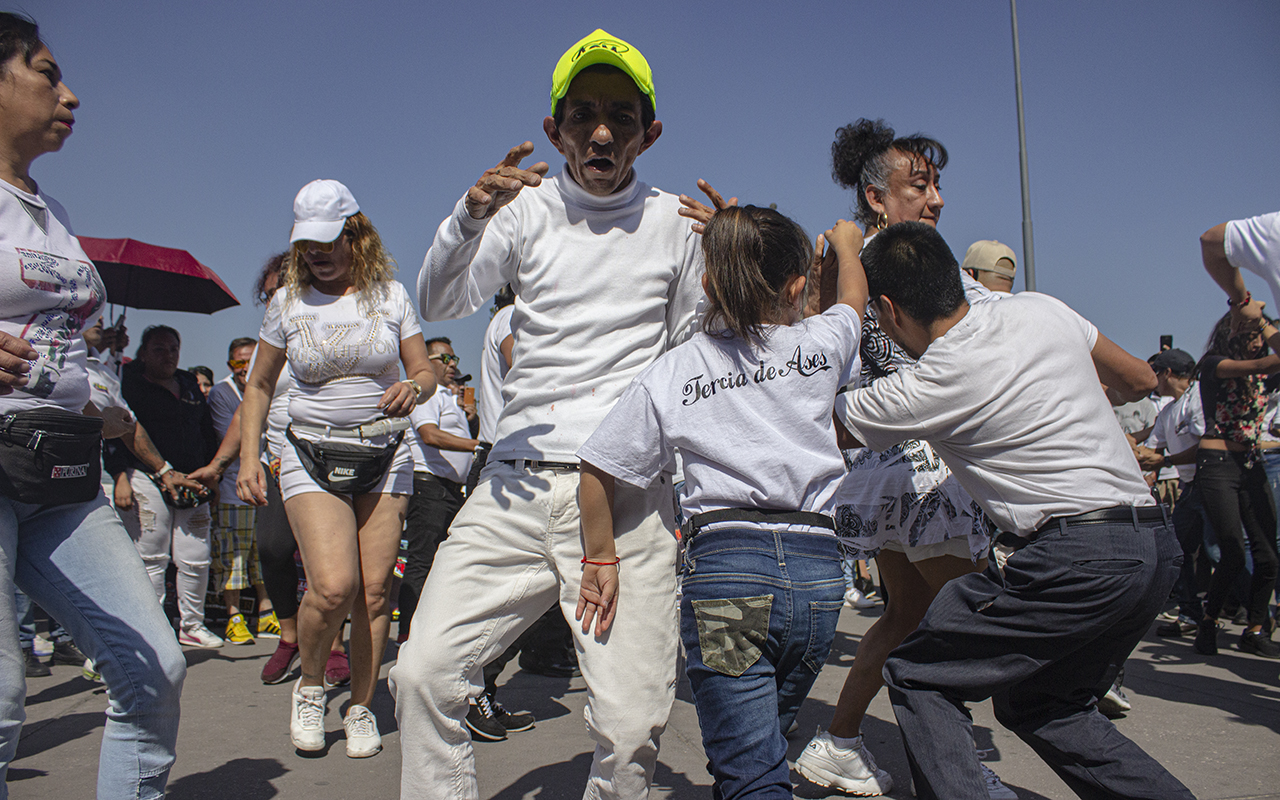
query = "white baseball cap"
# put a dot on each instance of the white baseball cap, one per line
(320, 210)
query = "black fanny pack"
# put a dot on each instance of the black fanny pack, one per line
(50, 457)
(345, 468)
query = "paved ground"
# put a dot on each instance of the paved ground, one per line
(1214, 723)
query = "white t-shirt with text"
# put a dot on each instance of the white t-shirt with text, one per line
(753, 424)
(343, 353)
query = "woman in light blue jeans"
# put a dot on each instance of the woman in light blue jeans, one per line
(74, 559)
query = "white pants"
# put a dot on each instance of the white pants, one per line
(514, 549)
(157, 530)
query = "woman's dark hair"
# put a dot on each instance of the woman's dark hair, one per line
(152, 332)
(911, 264)
(751, 253)
(274, 266)
(1222, 343)
(202, 370)
(19, 35)
(862, 156)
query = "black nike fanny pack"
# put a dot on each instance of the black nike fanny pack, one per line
(345, 468)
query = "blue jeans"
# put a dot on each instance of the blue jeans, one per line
(78, 563)
(27, 622)
(757, 616)
(1271, 464)
(1039, 640)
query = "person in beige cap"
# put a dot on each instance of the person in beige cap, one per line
(991, 264)
(607, 277)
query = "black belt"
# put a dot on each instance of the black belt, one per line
(522, 464)
(453, 486)
(1103, 516)
(771, 517)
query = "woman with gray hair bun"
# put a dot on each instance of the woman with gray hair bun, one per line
(901, 506)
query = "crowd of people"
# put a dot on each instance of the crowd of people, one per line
(693, 432)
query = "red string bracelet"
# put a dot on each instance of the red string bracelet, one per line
(1248, 297)
(612, 563)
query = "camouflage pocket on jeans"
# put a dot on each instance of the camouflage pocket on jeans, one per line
(732, 631)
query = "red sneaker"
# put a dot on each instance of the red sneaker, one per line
(337, 670)
(280, 664)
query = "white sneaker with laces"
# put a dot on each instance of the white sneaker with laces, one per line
(996, 789)
(362, 733)
(306, 722)
(854, 598)
(199, 636)
(853, 771)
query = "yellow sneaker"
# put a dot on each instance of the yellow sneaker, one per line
(238, 631)
(268, 626)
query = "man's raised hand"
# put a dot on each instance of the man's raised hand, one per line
(500, 185)
(701, 213)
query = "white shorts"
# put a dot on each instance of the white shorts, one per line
(957, 546)
(294, 479)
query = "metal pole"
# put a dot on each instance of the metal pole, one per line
(1028, 248)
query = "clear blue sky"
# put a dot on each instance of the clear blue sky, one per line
(1147, 123)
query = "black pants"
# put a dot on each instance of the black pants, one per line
(276, 551)
(1038, 639)
(434, 504)
(1235, 497)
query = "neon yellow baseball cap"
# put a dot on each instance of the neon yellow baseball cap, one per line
(600, 47)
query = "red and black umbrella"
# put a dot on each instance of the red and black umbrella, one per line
(141, 275)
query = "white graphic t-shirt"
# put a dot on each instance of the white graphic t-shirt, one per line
(753, 424)
(49, 292)
(343, 353)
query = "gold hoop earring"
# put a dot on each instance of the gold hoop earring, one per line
(882, 221)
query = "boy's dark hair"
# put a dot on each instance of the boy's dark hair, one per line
(437, 340)
(19, 35)
(911, 264)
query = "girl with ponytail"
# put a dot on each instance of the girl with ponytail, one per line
(748, 403)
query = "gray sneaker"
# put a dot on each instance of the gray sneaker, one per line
(853, 771)
(996, 789)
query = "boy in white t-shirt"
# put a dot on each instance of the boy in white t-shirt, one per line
(1008, 393)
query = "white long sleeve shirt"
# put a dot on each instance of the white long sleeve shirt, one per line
(604, 285)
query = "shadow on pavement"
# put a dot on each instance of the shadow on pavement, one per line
(243, 778)
(564, 781)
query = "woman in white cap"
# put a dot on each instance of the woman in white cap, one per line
(345, 325)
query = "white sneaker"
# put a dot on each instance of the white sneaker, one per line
(853, 771)
(306, 721)
(362, 733)
(996, 789)
(199, 636)
(854, 598)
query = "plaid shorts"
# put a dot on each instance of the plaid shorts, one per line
(234, 548)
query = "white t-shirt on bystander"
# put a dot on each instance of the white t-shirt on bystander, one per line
(753, 425)
(440, 409)
(224, 399)
(1010, 398)
(493, 372)
(50, 292)
(1254, 244)
(1178, 428)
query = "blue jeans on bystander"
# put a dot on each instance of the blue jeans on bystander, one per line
(78, 563)
(757, 616)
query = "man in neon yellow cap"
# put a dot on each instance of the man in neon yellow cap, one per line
(607, 277)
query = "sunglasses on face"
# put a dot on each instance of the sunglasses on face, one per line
(238, 363)
(324, 247)
(445, 358)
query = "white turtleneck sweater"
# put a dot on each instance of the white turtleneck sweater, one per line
(604, 285)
